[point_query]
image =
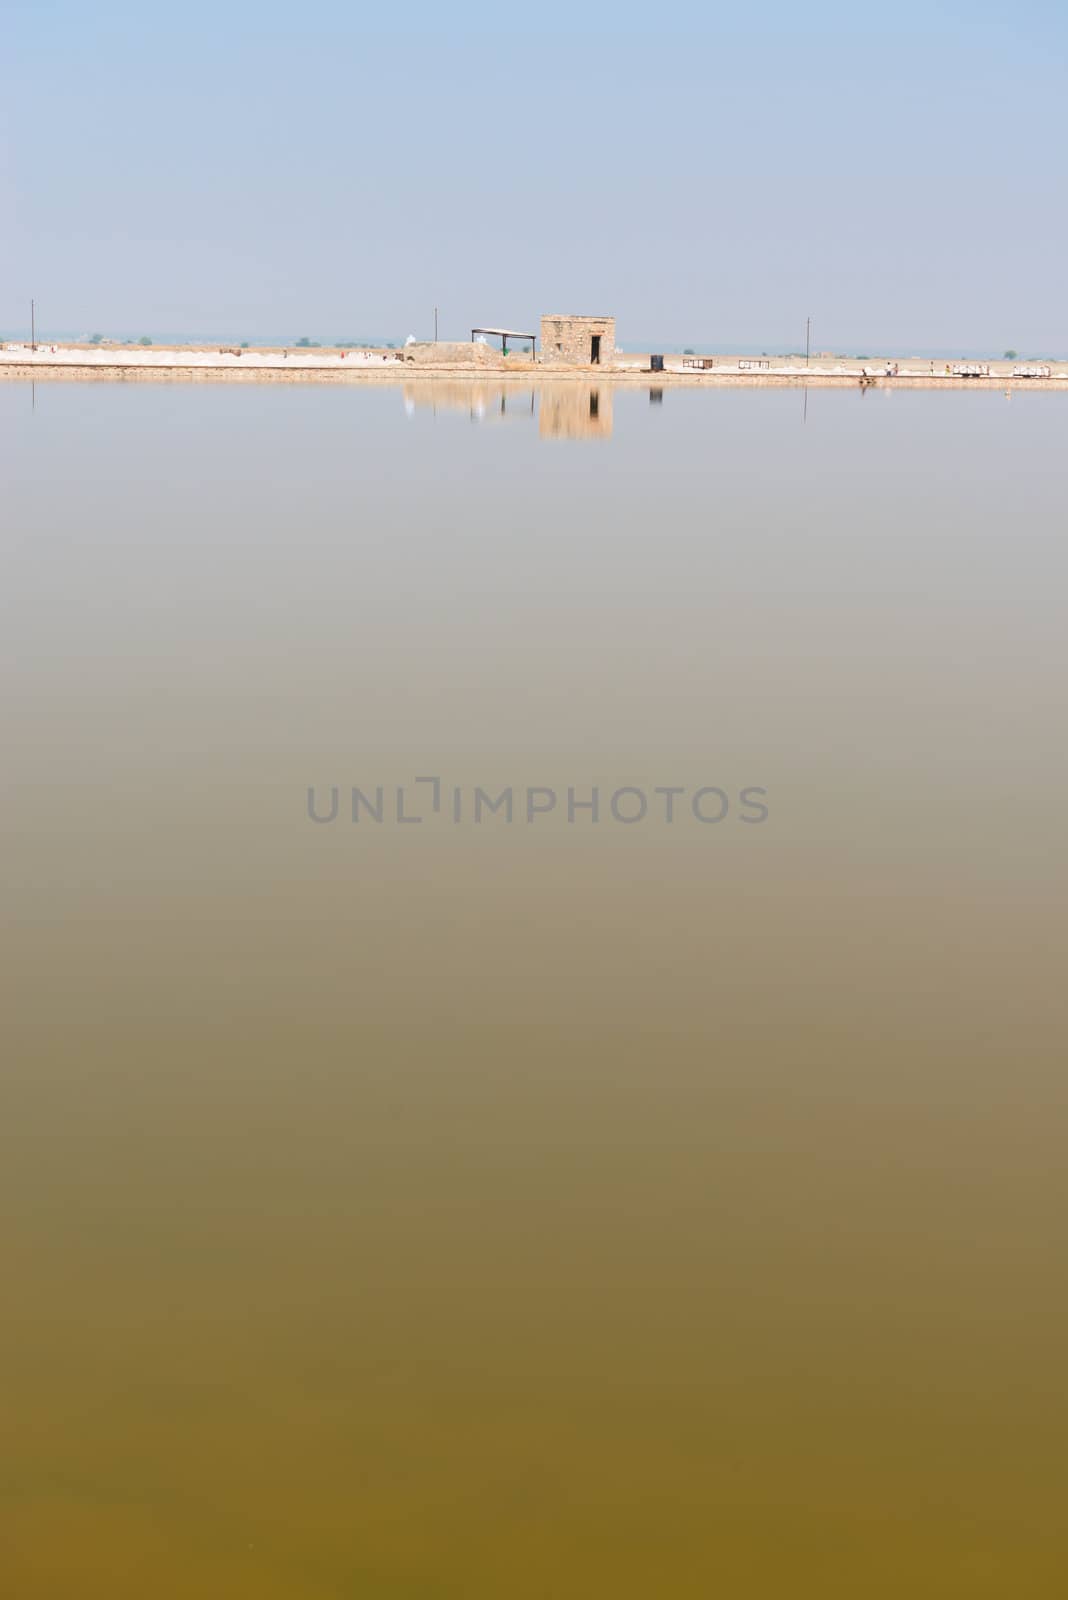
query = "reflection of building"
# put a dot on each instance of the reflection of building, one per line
(570, 409)
(578, 341)
(575, 411)
(481, 401)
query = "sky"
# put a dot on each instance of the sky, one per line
(710, 175)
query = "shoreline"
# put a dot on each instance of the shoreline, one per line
(535, 377)
(168, 364)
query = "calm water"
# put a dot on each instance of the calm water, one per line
(554, 1208)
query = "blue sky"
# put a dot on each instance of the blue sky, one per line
(709, 174)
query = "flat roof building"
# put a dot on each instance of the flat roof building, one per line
(578, 341)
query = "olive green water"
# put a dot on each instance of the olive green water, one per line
(560, 1209)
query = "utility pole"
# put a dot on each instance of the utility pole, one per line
(33, 325)
(808, 339)
(435, 324)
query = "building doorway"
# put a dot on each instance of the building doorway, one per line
(595, 350)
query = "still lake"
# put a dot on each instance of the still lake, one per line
(587, 1204)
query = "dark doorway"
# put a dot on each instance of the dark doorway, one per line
(595, 350)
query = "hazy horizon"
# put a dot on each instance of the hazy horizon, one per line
(710, 179)
(255, 341)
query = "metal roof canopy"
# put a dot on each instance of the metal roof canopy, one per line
(504, 334)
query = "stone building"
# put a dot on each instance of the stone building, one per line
(578, 341)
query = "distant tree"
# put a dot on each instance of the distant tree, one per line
(688, 350)
(304, 344)
(245, 345)
(144, 339)
(98, 338)
(1010, 355)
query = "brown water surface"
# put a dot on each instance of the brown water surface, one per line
(554, 1208)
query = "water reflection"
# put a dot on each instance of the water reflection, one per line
(576, 411)
(482, 401)
(562, 410)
